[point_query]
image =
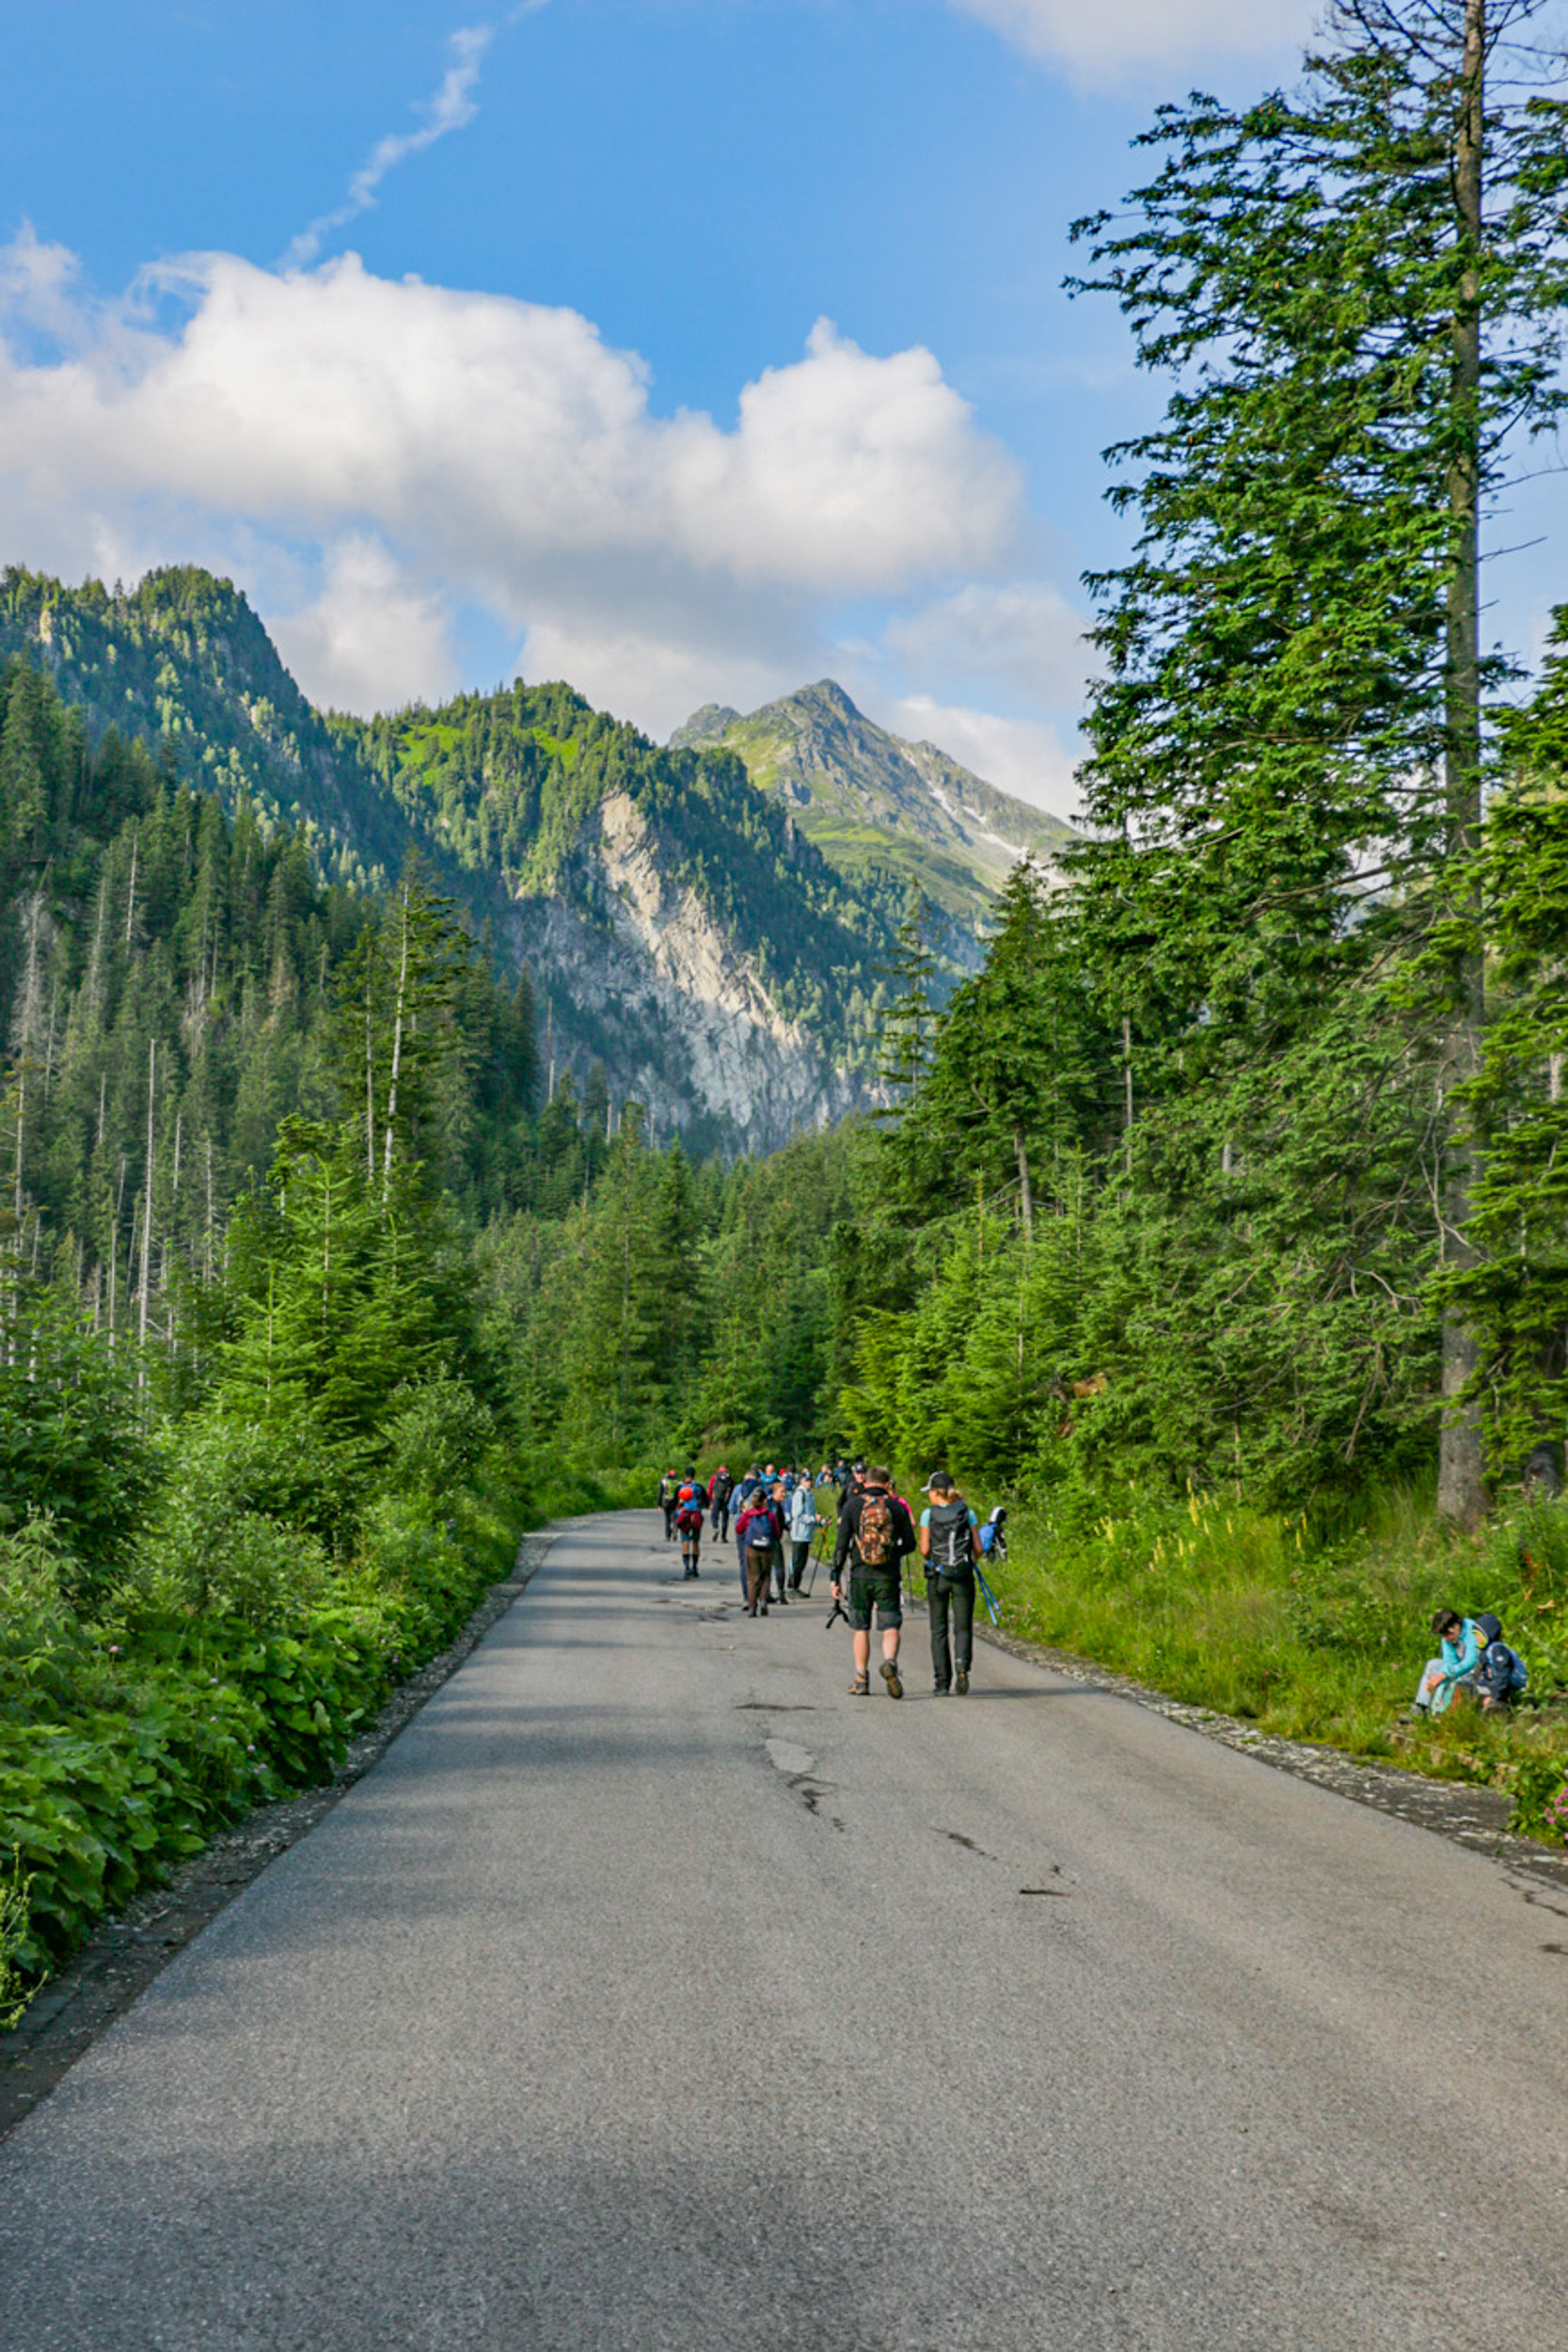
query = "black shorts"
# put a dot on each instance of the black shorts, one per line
(879, 1589)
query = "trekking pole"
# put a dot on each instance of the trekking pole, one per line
(993, 1605)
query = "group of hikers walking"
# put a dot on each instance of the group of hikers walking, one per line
(780, 1513)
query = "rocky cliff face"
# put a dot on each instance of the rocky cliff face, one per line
(679, 925)
(673, 1004)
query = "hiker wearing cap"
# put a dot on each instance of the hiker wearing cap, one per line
(875, 1533)
(947, 1537)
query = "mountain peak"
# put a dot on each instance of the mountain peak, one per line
(868, 799)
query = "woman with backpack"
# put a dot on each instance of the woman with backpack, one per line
(948, 1530)
(760, 1531)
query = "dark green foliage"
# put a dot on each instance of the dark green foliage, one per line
(73, 1451)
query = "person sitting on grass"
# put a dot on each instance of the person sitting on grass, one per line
(1502, 1674)
(1458, 1644)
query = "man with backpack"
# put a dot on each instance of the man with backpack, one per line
(875, 1531)
(721, 1487)
(668, 1487)
(947, 1538)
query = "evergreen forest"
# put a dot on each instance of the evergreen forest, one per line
(1218, 1223)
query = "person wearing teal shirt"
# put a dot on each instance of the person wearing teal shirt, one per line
(1459, 1646)
(947, 1538)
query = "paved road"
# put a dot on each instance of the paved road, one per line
(651, 1991)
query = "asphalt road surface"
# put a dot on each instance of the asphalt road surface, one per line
(651, 1991)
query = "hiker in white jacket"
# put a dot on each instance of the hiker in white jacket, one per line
(803, 1524)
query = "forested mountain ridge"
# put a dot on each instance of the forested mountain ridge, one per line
(182, 664)
(678, 927)
(871, 800)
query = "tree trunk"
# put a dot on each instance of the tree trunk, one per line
(147, 1204)
(1461, 1478)
(397, 1050)
(1026, 1190)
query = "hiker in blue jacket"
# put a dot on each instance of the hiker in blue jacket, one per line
(1502, 1674)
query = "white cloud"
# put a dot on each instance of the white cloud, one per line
(1119, 41)
(496, 452)
(1022, 635)
(371, 641)
(452, 108)
(1019, 755)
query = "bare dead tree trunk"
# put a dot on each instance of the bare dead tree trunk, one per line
(397, 1048)
(1460, 1477)
(146, 1196)
(1026, 1190)
(370, 1084)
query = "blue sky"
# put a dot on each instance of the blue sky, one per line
(689, 349)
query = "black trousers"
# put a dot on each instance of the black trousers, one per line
(954, 1595)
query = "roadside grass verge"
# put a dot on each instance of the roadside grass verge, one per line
(1312, 1632)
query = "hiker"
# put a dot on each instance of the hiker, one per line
(740, 1501)
(948, 1531)
(1458, 1646)
(1501, 1674)
(803, 1524)
(873, 1534)
(759, 1531)
(721, 1487)
(691, 1511)
(779, 1498)
(667, 1489)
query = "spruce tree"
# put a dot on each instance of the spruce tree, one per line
(1357, 288)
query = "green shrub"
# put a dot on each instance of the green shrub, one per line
(14, 1892)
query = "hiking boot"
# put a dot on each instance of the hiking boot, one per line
(961, 1684)
(890, 1676)
(941, 1691)
(860, 1687)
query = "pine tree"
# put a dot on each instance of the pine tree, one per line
(1287, 751)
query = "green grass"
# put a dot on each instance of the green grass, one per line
(1310, 1633)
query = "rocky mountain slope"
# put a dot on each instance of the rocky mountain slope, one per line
(678, 923)
(871, 800)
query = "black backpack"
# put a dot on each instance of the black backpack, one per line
(952, 1551)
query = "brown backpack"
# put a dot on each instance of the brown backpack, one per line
(873, 1535)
